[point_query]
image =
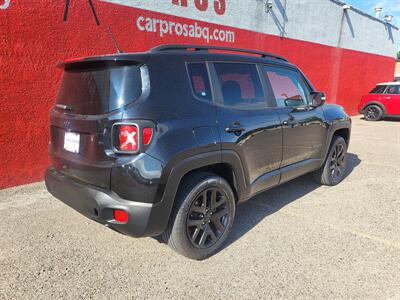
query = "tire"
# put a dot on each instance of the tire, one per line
(373, 112)
(200, 222)
(333, 170)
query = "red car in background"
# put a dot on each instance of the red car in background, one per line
(382, 101)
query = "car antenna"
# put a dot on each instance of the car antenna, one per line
(114, 40)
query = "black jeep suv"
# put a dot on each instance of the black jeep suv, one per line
(167, 142)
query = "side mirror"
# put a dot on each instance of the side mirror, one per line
(317, 99)
(293, 102)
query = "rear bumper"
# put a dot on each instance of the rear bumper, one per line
(145, 219)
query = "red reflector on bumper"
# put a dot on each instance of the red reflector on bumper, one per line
(120, 216)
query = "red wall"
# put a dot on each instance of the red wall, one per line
(34, 37)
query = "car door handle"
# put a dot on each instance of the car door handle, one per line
(289, 123)
(291, 120)
(236, 129)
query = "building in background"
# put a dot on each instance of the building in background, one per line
(344, 51)
(397, 71)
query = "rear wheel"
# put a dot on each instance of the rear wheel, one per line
(203, 216)
(333, 171)
(373, 112)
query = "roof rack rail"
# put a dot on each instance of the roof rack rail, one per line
(206, 48)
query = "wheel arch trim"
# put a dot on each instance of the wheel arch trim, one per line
(334, 128)
(192, 163)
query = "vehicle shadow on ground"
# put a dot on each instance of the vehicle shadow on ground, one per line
(250, 213)
(386, 119)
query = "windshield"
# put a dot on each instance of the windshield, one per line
(99, 90)
(379, 89)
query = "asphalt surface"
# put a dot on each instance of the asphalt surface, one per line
(299, 240)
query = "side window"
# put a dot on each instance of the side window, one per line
(288, 87)
(379, 89)
(199, 80)
(240, 85)
(393, 89)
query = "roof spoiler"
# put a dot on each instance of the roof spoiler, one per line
(106, 60)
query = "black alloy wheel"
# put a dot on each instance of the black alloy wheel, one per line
(333, 171)
(338, 162)
(373, 113)
(203, 216)
(207, 218)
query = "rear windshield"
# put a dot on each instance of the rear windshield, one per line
(99, 90)
(379, 89)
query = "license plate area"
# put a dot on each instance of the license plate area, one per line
(72, 141)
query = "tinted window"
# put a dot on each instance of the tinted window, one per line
(99, 90)
(288, 87)
(199, 79)
(379, 89)
(240, 85)
(393, 89)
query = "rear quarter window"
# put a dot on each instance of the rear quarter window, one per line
(199, 81)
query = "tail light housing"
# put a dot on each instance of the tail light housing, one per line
(130, 137)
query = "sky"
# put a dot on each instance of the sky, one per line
(390, 7)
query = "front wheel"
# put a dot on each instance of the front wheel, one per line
(202, 217)
(333, 170)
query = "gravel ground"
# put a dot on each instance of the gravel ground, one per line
(299, 240)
